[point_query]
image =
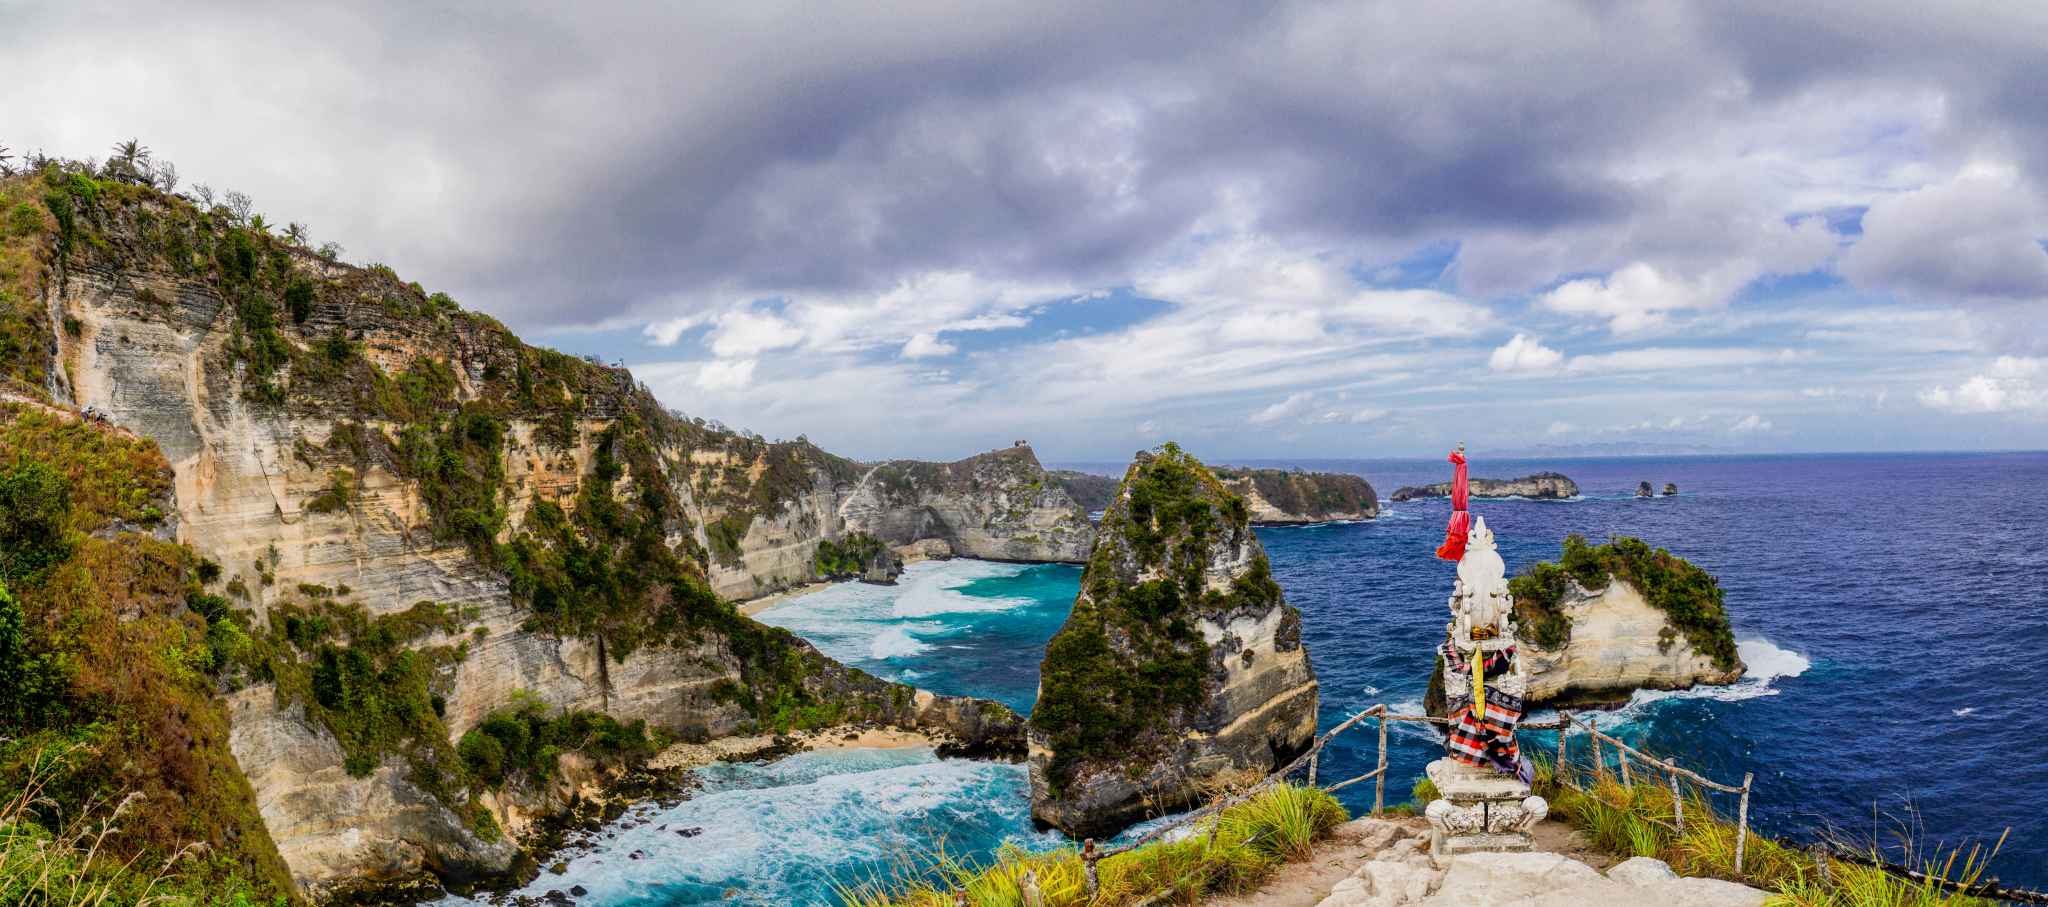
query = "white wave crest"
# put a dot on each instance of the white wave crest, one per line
(896, 642)
(1766, 660)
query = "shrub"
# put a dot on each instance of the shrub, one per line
(35, 510)
(1691, 596)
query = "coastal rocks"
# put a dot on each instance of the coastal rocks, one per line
(1619, 643)
(1670, 488)
(1543, 486)
(1290, 498)
(997, 506)
(1181, 666)
(1643, 491)
(390, 451)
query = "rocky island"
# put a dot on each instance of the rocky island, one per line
(1611, 619)
(1293, 497)
(1543, 486)
(1180, 667)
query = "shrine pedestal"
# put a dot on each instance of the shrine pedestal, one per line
(1481, 811)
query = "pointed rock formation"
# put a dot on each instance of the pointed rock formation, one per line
(1180, 667)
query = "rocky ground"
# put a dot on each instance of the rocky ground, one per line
(1385, 863)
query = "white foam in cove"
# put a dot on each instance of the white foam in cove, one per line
(1767, 663)
(896, 642)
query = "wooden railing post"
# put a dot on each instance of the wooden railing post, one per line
(1599, 761)
(1088, 868)
(1628, 779)
(1557, 769)
(1314, 760)
(1742, 821)
(1677, 804)
(1379, 788)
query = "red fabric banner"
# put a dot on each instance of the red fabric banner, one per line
(1460, 529)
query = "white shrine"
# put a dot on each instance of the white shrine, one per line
(1481, 808)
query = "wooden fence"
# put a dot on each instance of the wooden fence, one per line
(1623, 754)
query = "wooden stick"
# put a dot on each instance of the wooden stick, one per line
(1313, 762)
(1677, 803)
(1379, 794)
(1599, 762)
(1088, 867)
(1742, 822)
(1032, 896)
(1557, 768)
(1379, 773)
(1628, 779)
(1664, 764)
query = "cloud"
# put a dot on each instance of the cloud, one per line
(1524, 353)
(1634, 298)
(1294, 406)
(2007, 386)
(1559, 428)
(1974, 238)
(1751, 423)
(922, 345)
(1368, 415)
(1651, 359)
(723, 375)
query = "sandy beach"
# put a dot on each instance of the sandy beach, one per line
(756, 606)
(694, 755)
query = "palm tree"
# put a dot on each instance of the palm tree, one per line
(296, 232)
(130, 161)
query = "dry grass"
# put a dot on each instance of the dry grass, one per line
(1253, 839)
(1630, 821)
(52, 861)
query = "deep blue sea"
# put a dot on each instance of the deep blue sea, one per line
(1887, 606)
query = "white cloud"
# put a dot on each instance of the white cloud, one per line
(2005, 387)
(1651, 359)
(725, 375)
(1637, 297)
(1751, 423)
(1368, 415)
(745, 332)
(927, 344)
(1524, 353)
(1559, 428)
(1974, 237)
(1291, 407)
(1822, 393)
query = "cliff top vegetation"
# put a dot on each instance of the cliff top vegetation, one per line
(1691, 596)
(1129, 664)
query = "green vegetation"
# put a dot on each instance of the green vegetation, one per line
(840, 561)
(1281, 824)
(1691, 596)
(109, 646)
(1104, 701)
(523, 743)
(1629, 821)
(1090, 492)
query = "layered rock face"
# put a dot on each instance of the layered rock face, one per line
(349, 448)
(1287, 498)
(1181, 665)
(1541, 486)
(997, 506)
(1619, 643)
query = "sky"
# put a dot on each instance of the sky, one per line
(1263, 230)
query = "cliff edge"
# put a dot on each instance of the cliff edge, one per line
(1292, 497)
(1180, 667)
(997, 506)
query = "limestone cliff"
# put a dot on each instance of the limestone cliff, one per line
(1291, 497)
(1541, 487)
(1616, 618)
(418, 516)
(997, 506)
(1181, 665)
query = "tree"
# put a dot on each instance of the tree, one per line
(13, 658)
(130, 162)
(296, 232)
(203, 193)
(35, 506)
(239, 205)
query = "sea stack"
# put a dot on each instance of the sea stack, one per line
(1670, 488)
(1180, 667)
(1643, 491)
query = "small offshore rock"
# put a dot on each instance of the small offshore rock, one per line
(559, 868)
(1670, 488)
(578, 890)
(1643, 491)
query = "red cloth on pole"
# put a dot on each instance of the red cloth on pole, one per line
(1453, 548)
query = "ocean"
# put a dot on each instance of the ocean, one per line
(1886, 606)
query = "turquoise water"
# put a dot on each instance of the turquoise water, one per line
(1888, 609)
